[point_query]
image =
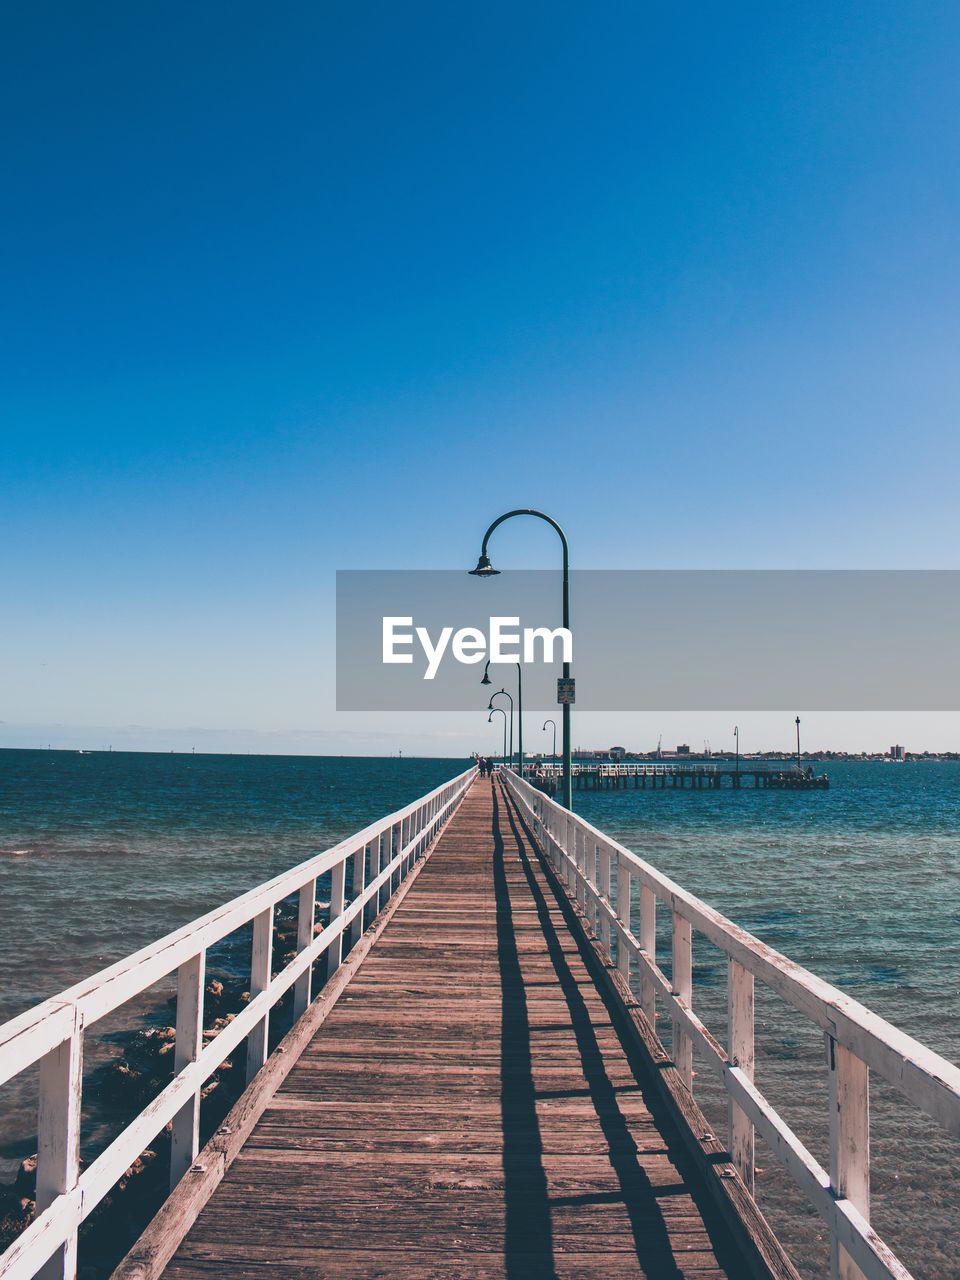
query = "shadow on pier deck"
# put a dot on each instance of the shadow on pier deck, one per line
(473, 1106)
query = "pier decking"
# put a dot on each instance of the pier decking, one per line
(469, 1109)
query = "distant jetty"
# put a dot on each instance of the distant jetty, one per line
(600, 776)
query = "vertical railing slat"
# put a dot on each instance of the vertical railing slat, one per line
(58, 1134)
(740, 1050)
(849, 1079)
(683, 989)
(306, 919)
(185, 1132)
(648, 943)
(605, 930)
(623, 911)
(261, 961)
(337, 898)
(359, 884)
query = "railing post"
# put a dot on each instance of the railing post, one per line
(58, 1150)
(648, 943)
(382, 857)
(740, 1051)
(306, 919)
(261, 962)
(569, 834)
(337, 880)
(604, 927)
(683, 988)
(185, 1132)
(359, 884)
(849, 1143)
(580, 859)
(623, 912)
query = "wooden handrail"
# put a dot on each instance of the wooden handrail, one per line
(51, 1034)
(856, 1040)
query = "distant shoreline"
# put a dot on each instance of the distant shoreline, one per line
(880, 757)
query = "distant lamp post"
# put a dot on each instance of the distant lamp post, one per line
(554, 723)
(736, 739)
(798, 742)
(491, 707)
(485, 569)
(490, 721)
(486, 680)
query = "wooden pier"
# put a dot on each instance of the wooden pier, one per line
(601, 776)
(477, 1089)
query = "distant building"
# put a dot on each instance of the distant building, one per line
(897, 753)
(683, 749)
(617, 753)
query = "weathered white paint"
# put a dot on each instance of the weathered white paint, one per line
(185, 1133)
(306, 919)
(261, 960)
(682, 958)
(740, 1052)
(849, 1093)
(623, 914)
(648, 945)
(359, 881)
(335, 950)
(58, 1150)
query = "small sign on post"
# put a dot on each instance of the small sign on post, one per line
(566, 689)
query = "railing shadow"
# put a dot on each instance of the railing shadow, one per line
(528, 1234)
(651, 1238)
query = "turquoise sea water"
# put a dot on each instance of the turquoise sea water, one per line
(102, 853)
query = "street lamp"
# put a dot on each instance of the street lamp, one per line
(798, 743)
(486, 680)
(485, 569)
(491, 707)
(490, 721)
(736, 738)
(554, 723)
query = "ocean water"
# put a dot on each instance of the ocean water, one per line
(102, 853)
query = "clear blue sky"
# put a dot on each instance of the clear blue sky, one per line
(300, 287)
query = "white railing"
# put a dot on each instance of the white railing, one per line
(51, 1034)
(603, 877)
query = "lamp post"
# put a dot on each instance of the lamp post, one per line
(490, 721)
(486, 680)
(554, 723)
(798, 743)
(491, 707)
(736, 738)
(485, 569)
